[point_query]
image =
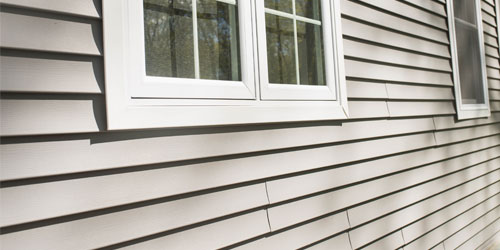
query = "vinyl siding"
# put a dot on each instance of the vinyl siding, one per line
(401, 172)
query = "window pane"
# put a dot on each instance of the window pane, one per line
(469, 64)
(465, 10)
(308, 8)
(280, 50)
(218, 40)
(281, 5)
(168, 38)
(310, 45)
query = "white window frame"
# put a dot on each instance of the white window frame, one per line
(468, 111)
(273, 91)
(143, 86)
(135, 102)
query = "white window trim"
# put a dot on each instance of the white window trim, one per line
(468, 111)
(126, 112)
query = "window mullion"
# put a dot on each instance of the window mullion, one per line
(195, 41)
(296, 42)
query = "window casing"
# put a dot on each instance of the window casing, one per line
(468, 58)
(142, 95)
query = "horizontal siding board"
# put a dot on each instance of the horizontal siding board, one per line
(288, 188)
(493, 73)
(446, 230)
(117, 189)
(406, 109)
(379, 72)
(483, 236)
(494, 84)
(493, 217)
(494, 95)
(400, 91)
(488, 8)
(295, 212)
(301, 236)
(491, 51)
(493, 241)
(431, 6)
(377, 208)
(490, 30)
(392, 241)
(26, 32)
(340, 242)
(488, 18)
(394, 39)
(354, 49)
(490, 40)
(51, 75)
(212, 236)
(402, 9)
(450, 136)
(495, 106)
(368, 90)
(401, 218)
(87, 8)
(367, 109)
(36, 117)
(438, 247)
(25, 160)
(492, 62)
(447, 122)
(113, 228)
(355, 10)
(490, 2)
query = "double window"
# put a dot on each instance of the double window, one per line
(176, 63)
(466, 35)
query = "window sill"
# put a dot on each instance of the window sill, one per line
(161, 116)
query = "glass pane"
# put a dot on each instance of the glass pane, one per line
(218, 40)
(281, 5)
(469, 64)
(280, 50)
(465, 10)
(308, 8)
(310, 45)
(168, 38)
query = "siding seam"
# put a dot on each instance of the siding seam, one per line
(349, 237)
(267, 208)
(434, 131)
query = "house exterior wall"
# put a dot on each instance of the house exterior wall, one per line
(401, 172)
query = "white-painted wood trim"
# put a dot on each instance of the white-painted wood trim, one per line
(468, 111)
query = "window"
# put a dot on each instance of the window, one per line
(172, 63)
(471, 88)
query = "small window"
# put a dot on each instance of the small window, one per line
(471, 88)
(177, 63)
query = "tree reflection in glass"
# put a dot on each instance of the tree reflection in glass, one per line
(170, 44)
(294, 36)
